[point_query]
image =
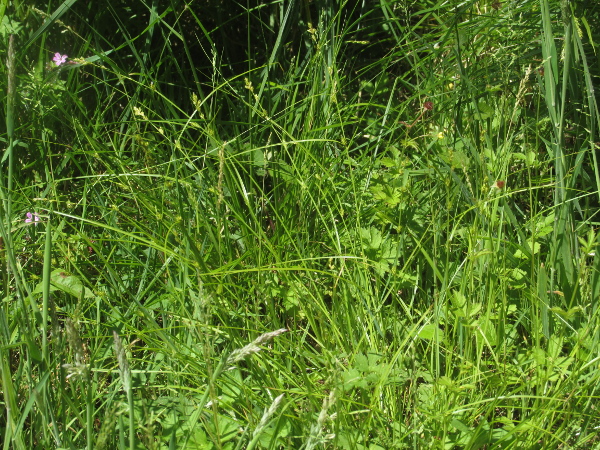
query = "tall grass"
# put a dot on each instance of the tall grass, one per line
(300, 225)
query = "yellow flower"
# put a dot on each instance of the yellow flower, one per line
(138, 112)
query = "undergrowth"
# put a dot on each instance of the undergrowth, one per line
(354, 225)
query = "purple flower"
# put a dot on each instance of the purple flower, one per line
(59, 59)
(32, 218)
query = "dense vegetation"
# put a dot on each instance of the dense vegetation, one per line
(300, 224)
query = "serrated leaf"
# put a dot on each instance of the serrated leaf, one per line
(387, 162)
(371, 238)
(361, 362)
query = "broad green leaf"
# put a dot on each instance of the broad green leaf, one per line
(67, 283)
(431, 332)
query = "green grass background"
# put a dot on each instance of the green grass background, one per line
(300, 224)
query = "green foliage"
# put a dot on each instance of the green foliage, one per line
(408, 189)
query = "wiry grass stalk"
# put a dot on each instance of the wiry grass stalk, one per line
(126, 381)
(12, 431)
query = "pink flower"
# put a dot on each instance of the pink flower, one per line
(32, 218)
(59, 59)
